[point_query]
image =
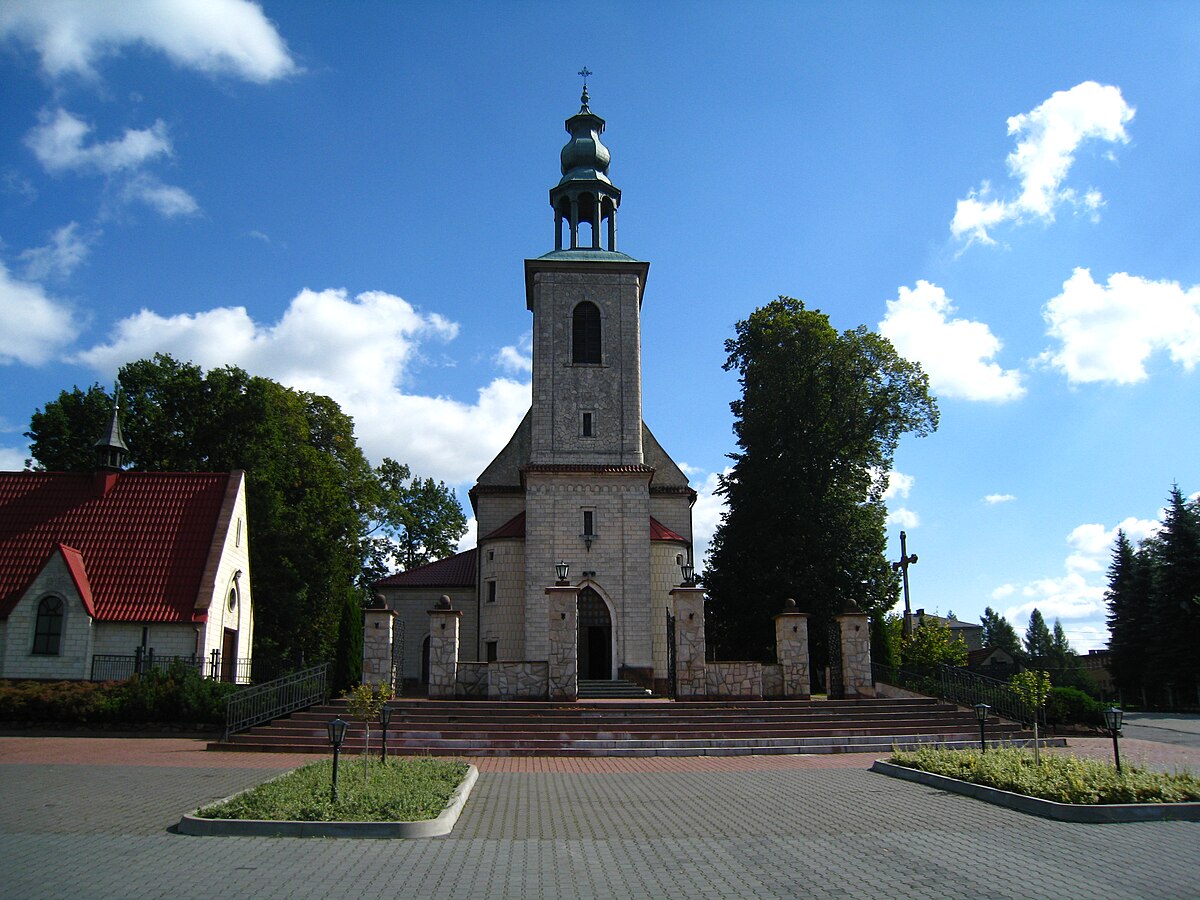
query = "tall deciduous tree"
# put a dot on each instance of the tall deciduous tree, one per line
(819, 419)
(312, 497)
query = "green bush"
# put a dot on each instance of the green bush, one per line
(1071, 706)
(178, 694)
(1064, 779)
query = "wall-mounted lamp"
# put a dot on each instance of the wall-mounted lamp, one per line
(561, 570)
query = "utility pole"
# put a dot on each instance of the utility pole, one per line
(902, 567)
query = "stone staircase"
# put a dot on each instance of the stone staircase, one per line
(617, 689)
(636, 728)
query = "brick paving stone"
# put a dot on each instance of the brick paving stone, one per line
(83, 820)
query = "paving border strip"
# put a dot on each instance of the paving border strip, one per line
(1095, 814)
(195, 825)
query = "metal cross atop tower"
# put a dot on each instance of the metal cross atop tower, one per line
(584, 73)
(902, 567)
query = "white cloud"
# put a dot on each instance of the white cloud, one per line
(898, 485)
(957, 354)
(12, 459)
(65, 252)
(1108, 332)
(707, 512)
(1048, 139)
(226, 37)
(470, 537)
(58, 142)
(903, 517)
(357, 351)
(994, 499)
(165, 199)
(33, 325)
(518, 358)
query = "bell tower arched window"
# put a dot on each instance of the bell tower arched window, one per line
(48, 627)
(585, 334)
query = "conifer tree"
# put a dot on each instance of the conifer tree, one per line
(1038, 641)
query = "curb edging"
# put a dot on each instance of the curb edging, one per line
(195, 825)
(1093, 814)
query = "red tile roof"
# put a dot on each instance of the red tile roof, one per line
(660, 532)
(513, 528)
(140, 547)
(453, 571)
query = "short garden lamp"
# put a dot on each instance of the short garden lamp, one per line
(385, 718)
(981, 714)
(1112, 721)
(561, 569)
(337, 734)
(689, 574)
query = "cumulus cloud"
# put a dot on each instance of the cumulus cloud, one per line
(957, 354)
(995, 499)
(59, 141)
(1048, 139)
(217, 37)
(33, 325)
(898, 485)
(357, 350)
(707, 513)
(67, 249)
(517, 358)
(167, 200)
(12, 459)
(1079, 593)
(1108, 332)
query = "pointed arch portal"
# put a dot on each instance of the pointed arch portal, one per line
(595, 636)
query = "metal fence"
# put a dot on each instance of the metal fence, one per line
(962, 687)
(270, 700)
(118, 667)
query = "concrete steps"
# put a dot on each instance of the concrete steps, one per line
(651, 727)
(618, 689)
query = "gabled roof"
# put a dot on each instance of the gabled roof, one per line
(453, 571)
(74, 560)
(140, 540)
(515, 528)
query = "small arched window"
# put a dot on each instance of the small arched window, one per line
(585, 334)
(48, 628)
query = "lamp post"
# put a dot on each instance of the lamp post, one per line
(689, 574)
(385, 718)
(561, 569)
(337, 734)
(1112, 721)
(981, 714)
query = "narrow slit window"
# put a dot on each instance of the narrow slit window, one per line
(490, 651)
(587, 424)
(491, 598)
(588, 521)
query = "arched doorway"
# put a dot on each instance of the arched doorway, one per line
(595, 636)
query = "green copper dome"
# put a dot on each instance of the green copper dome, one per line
(584, 158)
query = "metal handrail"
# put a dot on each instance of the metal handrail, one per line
(967, 688)
(272, 699)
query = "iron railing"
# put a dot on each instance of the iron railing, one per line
(272, 699)
(118, 667)
(962, 687)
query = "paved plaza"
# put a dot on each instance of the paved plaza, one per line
(93, 817)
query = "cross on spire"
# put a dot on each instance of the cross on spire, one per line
(584, 73)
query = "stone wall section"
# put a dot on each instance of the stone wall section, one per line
(742, 679)
(563, 660)
(791, 650)
(665, 576)
(443, 652)
(772, 681)
(690, 678)
(74, 660)
(411, 605)
(517, 680)
(472, 680)
(856, 655)
(503, 562)
(377, 666)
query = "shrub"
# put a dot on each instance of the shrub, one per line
(1071, 706)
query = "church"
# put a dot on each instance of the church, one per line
(583, 483)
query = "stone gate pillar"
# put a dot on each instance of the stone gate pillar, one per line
(855, 628)
(691, 676)
(791, 649)
(443, 649)
(562, 602)
(377, 665)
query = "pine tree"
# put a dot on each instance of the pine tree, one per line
(998, 632)
(1128, 607)
(1038, 642)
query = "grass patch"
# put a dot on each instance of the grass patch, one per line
(1064, 779)
(405, 789)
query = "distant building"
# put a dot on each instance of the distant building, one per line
(123, 564)
(970, 633)
(995, 662)
(583, 481)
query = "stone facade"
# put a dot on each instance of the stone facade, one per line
(471, 680)
(443, 652)
(791, 649)
(857, 680)
(377, 667)
(517, 680)
(691, 680)
(563, 662)
(743, 680)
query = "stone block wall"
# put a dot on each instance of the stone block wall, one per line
(734, 679)
(74, 659)
(123, 638)
(563, 661)
(857, 679)
(471, 680)
(518, 680)
(377, 648)
(772, 681)
(443, 652)
(791, 649)
(502, 562)
(412, 605)
(690, 678)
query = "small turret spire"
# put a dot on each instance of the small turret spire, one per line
(583, 98)
(585, 195)
(111, 449)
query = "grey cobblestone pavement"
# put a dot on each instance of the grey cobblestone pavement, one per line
(757, 827)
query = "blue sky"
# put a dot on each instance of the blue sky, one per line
(339, 196)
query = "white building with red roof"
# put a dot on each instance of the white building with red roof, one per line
(123, 564)
(582, 481)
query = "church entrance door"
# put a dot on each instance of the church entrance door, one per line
(595, 636)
